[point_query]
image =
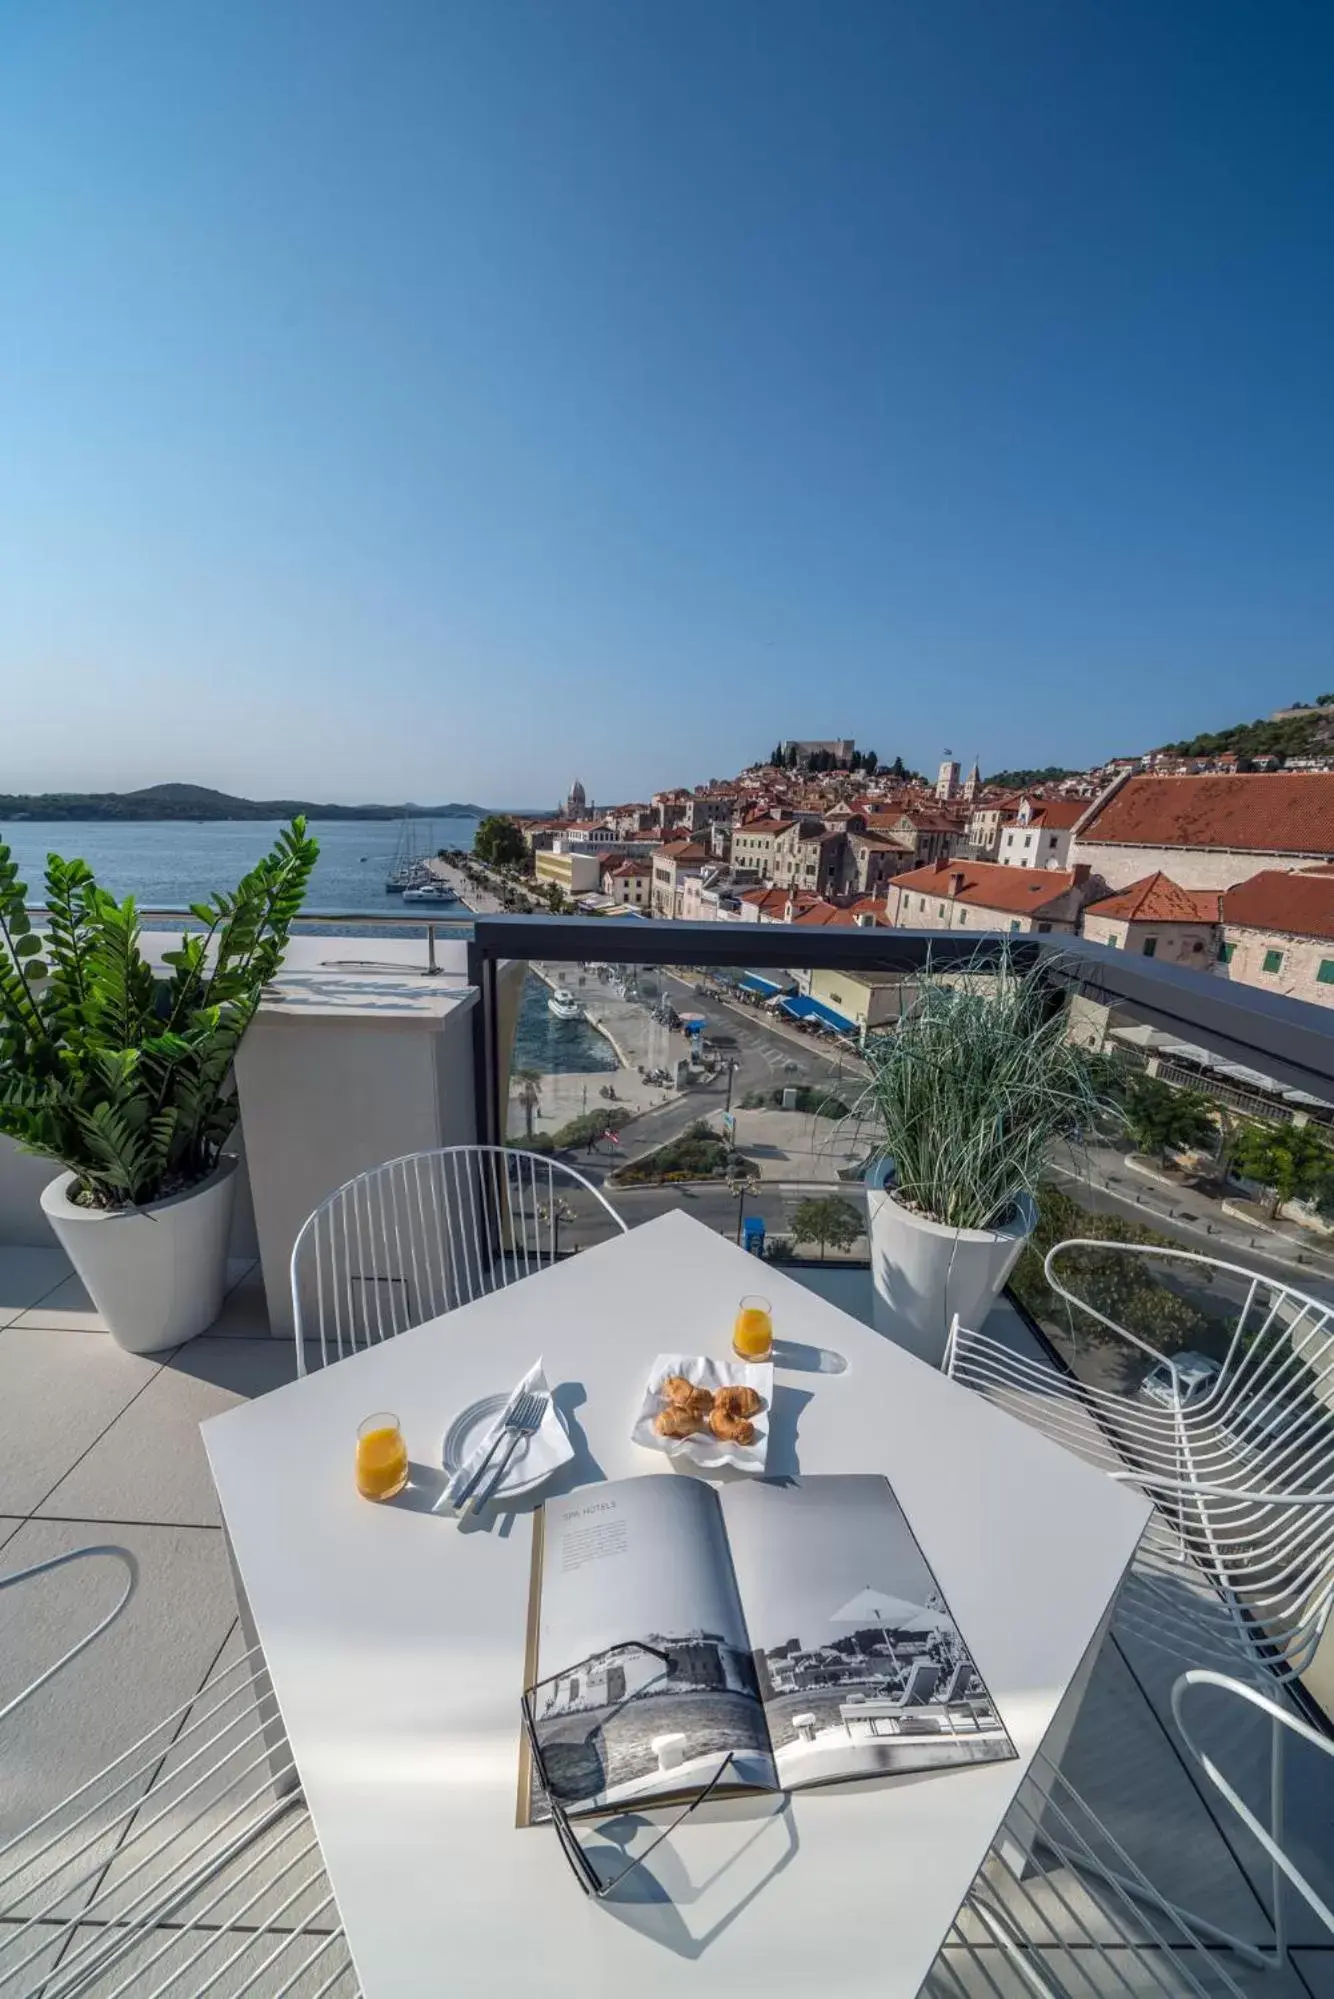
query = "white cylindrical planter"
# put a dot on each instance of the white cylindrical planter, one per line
(925, 1272)
(156, 1274)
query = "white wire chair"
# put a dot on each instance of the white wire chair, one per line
(1240, 1465)
(187, 1867)
(409, 1240)
(1062, 1907)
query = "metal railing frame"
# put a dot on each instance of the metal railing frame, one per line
(1288, 1039)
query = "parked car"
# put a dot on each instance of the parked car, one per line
(1181, 1382)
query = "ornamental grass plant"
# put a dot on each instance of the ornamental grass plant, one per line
(976, 1088)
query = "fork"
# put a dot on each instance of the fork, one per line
(526, 1417)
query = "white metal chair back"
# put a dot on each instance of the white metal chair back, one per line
(409, 1240)
(187, 1866)
(1240, 1463)
(1061, 1902)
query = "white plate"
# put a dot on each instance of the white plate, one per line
(703, 1448)
(466, 1430)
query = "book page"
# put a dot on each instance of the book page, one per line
(645, 1676)
(861, 1667)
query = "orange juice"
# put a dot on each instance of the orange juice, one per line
(753, 1331)
(382, 1457)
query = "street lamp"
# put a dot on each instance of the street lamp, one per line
(741, 1181)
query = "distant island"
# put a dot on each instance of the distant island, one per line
(197, 801)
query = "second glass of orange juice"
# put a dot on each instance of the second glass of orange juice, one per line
(382, 1457)
(753, 1331)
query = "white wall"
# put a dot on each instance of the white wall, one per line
(1189, 867)
(1190, 944)
(906, 912)
(1297, 977)
(1035, 847)
(364, 1073)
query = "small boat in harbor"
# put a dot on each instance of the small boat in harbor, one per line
(564, 1005)
(430, 891)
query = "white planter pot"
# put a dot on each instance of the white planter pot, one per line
(925, 1272)
(155, 1274)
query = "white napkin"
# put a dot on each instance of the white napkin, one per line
(537, 1456)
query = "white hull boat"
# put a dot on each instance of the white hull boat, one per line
(564, 1005)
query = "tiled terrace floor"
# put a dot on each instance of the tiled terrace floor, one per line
(99, 1446)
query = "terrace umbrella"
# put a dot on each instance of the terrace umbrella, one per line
(875, 1606)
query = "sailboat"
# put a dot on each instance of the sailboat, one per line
(407, 868)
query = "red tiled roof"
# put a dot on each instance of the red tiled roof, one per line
(1281, 812)
(987, 885)
(1056, 814)
(931, 822)
(1301, 904)
(632, 867)
(877, 838)
(764, 825)
(1157, 898)
(683, 850)
(845, 916)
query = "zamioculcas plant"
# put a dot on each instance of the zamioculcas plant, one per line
(122, 1075)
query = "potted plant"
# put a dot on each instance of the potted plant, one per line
(966, 1100)
(124, 1075)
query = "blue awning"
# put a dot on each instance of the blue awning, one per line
(758, 982)
(813, 1009)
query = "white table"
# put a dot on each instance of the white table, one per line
(396, 1641)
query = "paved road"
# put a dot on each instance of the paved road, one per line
(1196, 1222)
(766, 1059)
(712, 1205)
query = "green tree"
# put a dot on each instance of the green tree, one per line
(499, 842)
(828, 1220)
(1288, 1159)
(1162, 1120)
(528, 1094)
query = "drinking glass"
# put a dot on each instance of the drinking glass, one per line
(382, 1457)
(753, 1332)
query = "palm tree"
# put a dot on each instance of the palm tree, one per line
(527, 1087)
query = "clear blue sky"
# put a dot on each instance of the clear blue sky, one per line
(439, 399)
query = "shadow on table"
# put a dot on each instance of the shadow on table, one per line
(782, 1460)
(804, 1359)
(654, 1899)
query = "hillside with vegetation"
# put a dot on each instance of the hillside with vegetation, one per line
(1307, 734)
(1019, 780)
(198, 801)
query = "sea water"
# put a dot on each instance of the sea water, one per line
(168, 864)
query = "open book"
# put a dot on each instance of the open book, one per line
(797, 1626)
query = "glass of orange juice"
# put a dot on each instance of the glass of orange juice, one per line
(382, 1457)
(753, 1331)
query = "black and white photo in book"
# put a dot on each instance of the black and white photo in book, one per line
(645, 1676)
(796, 1627)
(861, 1667)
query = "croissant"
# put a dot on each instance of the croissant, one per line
(677, 1389)
(674, 1421)
(731, 1429)
(738, 1400)
(700, 1403)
